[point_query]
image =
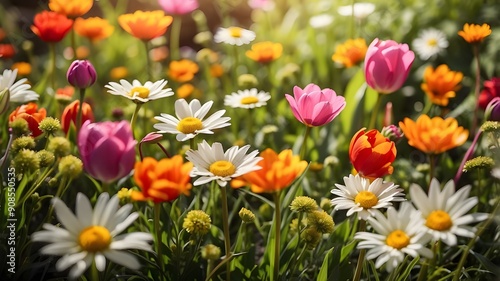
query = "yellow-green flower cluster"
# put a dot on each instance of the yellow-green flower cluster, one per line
(197, 222)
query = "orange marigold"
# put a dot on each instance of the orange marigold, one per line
(162, 180)
(351, 52)
(182, 70)
(93, 28)
(474, 33)
(434, 136)
(32, 115)
(441, 83)
(278, 172)
(265, 52)
(71, 8)
(145, 25)
(23, 68)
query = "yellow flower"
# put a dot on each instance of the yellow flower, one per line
(441, 84)
(119, 72)
(71, 8)
(351, 52)
(265, 52)
(474, 33)
(93, 28)
(434, 136)
(23, 68)
(145, 25)
(216, 70)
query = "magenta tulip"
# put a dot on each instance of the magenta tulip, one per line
(178, 7)
(107, 149)
(387, 64)
(81, 74)
(313, 106)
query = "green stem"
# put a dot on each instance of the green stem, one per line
(249, 126)
(303, 150)
(191, 143)
(52, 50)
(149, 70)
(479, 232)
(175, 34)
(73, 41)
(277, 235)
(225, 225)
(94, 272)
(373, 119)
(59, 192)
(362, 253)
(158, 232)
(353, 19)
(134, 118)
(432, 166)
(476, 88)
(80, 111)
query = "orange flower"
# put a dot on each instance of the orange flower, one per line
(71, 8)
(216, 70)
(265, 52)
(32, 115)
(119, 72)
(51, 26)
(162, 180)
(474, 33)
(64, 95)
(182, 70)
(7, 51)
(351, 52)
(23, 68)
(278, 172)
(434, 136)
(441, 84)
(93, 28)
(69, 114)
(372, 154)
(185, 91)
(145, 25)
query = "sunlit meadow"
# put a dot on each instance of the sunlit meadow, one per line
(250, 140)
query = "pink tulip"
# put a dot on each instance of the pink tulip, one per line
(314, 106)
(107, 149)
(387, 64)
(178, 7)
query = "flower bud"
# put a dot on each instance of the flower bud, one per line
(197, 222)
(20, 127)
(23, 142)
(246, 215)
(311, 236)
(321, 220)
(70, 166)
(392, 132)
(210, 252)
(4, 100)
(247, 81)
(81, 74)
(480, 162)
(492, 112)
(26, 161)
(49, 126)
(46, 158)
(59, 146)
(303, 204)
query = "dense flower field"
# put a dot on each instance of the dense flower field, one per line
(250, 140)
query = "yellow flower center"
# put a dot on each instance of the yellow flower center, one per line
(235, 32)
(366, 199)
(397, 239)
(439, 220)
(222, 168)
(432, 42)
(249, 100)
(94, 239)
(142, 92)
(189, 125)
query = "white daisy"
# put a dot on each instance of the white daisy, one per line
(212, 163)
(444, 212)
(399, 234)
(247, 99)
(320, 21)
(430, 43)
(234, 36)
(92, 235)
(361, 196)
(189, 121)
(138, 92)
(361, 10)
(19, 91)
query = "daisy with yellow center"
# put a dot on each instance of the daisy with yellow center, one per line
(351, 52)
(211, 163)
(92, 236)
(441, 83)
(444, 211)
(145, 25)
(234, 36)
(430, 43)
(138, 92)
(265, 52)
(397, 235)
(247, 99)
(360, 196)
(474, 33)
(190, 120)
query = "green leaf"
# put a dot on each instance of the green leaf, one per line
(493, 268)
(323, 272)
(404, 275)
